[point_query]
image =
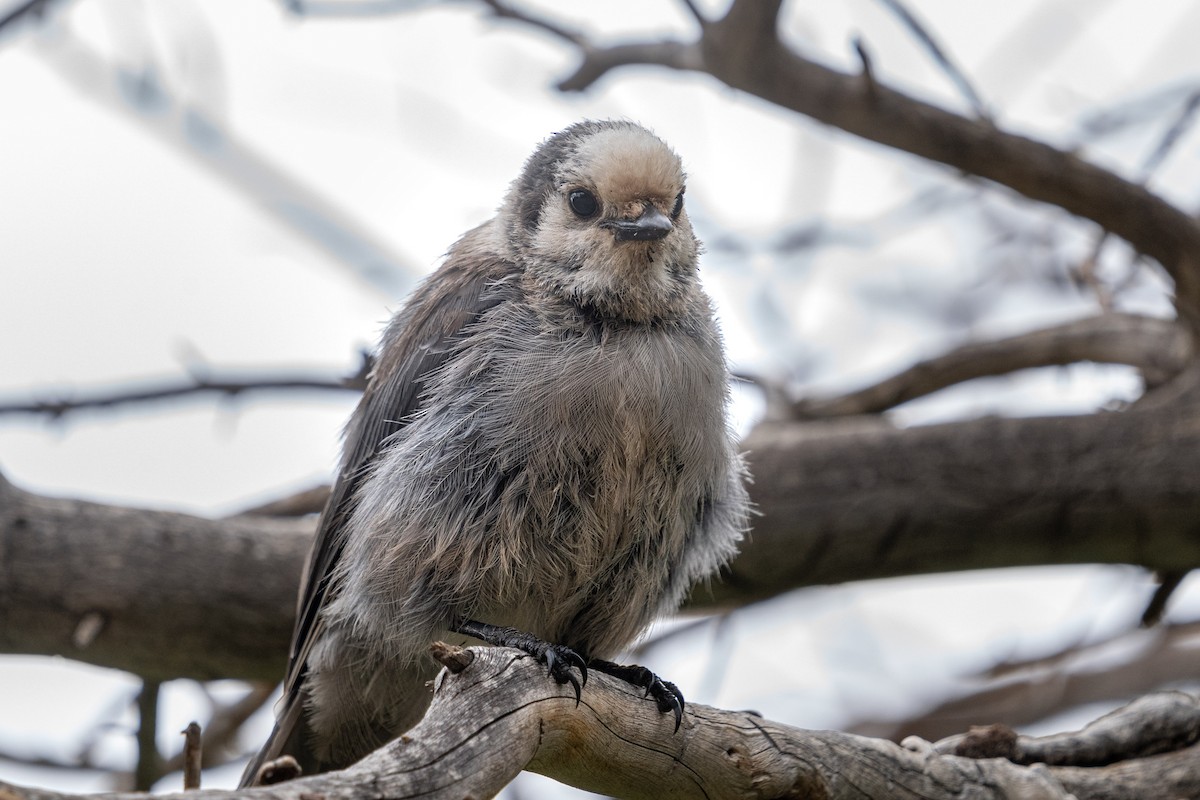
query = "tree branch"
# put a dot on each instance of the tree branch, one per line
(171, 595)
(1161, 349)
(857, 499)
(1132, 662)
(947, 65)
(744, 51)
(163, 595)
(156, 392)
(494, 713)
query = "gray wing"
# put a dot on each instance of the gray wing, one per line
(416, 343)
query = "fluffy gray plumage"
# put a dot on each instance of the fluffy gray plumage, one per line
(543, 445)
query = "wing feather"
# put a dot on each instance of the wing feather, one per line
(417, 341)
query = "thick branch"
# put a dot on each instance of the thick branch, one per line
(157, 593)
(1159, 348)
(857, 499)
(498, 714)
(171, 595)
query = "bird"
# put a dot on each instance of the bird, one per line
(542, 456)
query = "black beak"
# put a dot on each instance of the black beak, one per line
(651, 225)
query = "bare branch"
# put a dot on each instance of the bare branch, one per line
(851, 499)
(495, 714)
(956, 75)
(154, 392)
(30, 8)
(1168, 582)
(222, 729)
(744, 51)
(1157, 723)
(1160, 348)
(308, 501)
(149, 761)
(179, 596)
(599, 61)
(192, 756)
(1020, 693)
(1171, 137)
(506, 11)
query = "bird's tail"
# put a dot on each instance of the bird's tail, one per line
(290, 736)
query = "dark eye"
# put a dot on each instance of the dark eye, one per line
(583, 202)
(678, 205)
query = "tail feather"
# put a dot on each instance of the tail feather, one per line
(291, 736)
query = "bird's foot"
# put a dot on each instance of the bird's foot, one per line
(666, 694)
(559, 659)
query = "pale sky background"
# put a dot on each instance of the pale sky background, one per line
(143, 238)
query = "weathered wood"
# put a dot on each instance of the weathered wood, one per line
(157, 593)
(500, 714)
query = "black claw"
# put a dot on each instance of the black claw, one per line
(574, 685)
(559, 659)
(580, 664)
(667, 696)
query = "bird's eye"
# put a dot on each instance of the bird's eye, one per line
(583, 203)
(678, 205)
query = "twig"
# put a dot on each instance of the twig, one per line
(31, 7)
(222, 728)
(307, 501)
(1087, 269)
(170, 390)
(1183, 121)
(1019, 693)
(939, 56)
(505, 11)
(868, 72)
(1168, 582)
(1156, 723)
(192, 755)
(695, 12)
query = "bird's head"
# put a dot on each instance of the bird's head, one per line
(597, 218)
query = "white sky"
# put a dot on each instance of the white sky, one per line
(123, 256)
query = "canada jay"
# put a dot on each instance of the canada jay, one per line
(541, 458)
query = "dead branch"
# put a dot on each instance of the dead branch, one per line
(1016, 694)
(221, 731)
(1159, 348)
(1164, 722)
(192, 756)
(496, 714)
(171, 595)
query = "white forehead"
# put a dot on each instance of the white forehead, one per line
(627, 163)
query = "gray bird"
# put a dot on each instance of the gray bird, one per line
(541, 458)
